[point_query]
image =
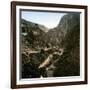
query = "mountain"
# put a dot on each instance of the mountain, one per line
(32, 34)
(56, 35)
(42, 27)
(69, 63)
(25, 23)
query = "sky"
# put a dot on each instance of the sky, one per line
(48, 19)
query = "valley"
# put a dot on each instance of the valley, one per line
(51, 52)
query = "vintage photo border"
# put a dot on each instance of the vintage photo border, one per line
(14, 49)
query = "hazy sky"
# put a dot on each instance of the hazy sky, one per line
(49, 19)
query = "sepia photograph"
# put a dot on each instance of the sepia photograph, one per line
(50, 43)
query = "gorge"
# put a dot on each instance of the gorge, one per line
(51, 52)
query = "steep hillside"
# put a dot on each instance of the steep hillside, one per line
(32, 34)
(69, 63)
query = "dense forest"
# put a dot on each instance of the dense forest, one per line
(51, 52)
